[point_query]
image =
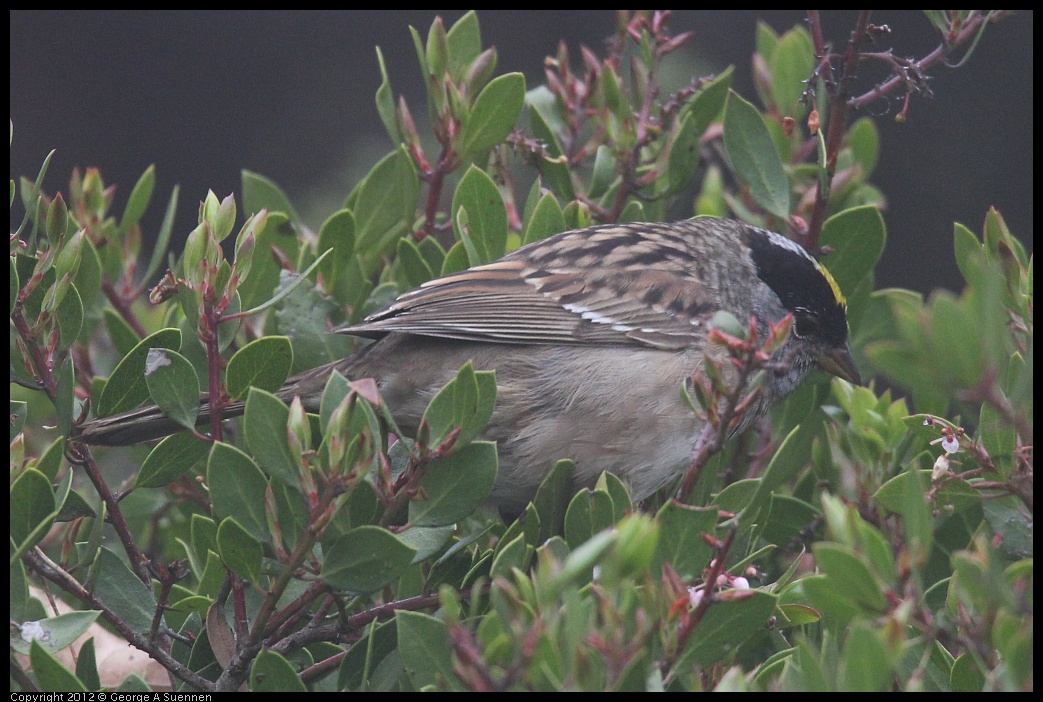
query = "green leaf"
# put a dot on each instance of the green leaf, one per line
(610, 92)
(788, 517)
(863, 138)
(264, 425)
(304, 317)
(51, 459)
(866, 665)
(683, 160)
(123, 337)
(857, 237)
(754, 157)
(14, 287)
(706, 105)
(527, 524)
(73, 506)
(126, 387)
(475, 256)
(139, 200)
(229, 327)
(237, 488)
(511, 555)
(767, 39)
(464, 42)
(1007, 518)
(622, 505)
(553, 497)
(204, 539)
(603, 173)
(240, 551)
(67, 263)
(849, 575)
(589, 512)
(50, 674)
(633, 212)
(32, 508)
(494, 113)
(337, 233)
(963, 363)
(273, 673)
(87, 666)
(553, 167)
(465, 403)
(122, 592)
(791, 64)
(173, 457)
(57, 218)
(966, 676)
(681, 542)
(18, 412)
(725, 626)
(437, 49)
(54, 633)
(385, 204)
(263, 363)
(163, 238)
(486, 213)
(454, 486)
(386, 103)
(365, 559)
(997, 435)
(790, 456)
(423, 644)
(260, 193)
(432, 252)
(69, 316)
(426, 541)
(173, 385)
(357, 666)
(455, 259)
(798, 615)
(967, 247)
(412, 263)
(65, 401)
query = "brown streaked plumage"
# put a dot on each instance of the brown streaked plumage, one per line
(591, 333)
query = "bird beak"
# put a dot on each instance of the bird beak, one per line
(839, 362)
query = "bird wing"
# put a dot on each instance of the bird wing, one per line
(561, 291)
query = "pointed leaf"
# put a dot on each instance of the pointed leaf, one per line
(494, 113)
(139, 200)
(486, 213)
(754, 157)
(50, 674)
(547, 219)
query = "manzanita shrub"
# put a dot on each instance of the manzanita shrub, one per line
(862, 539)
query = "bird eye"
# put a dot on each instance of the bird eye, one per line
(806, 325)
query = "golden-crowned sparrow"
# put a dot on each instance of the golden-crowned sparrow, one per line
(591, 334)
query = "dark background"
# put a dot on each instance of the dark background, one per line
(290, 95)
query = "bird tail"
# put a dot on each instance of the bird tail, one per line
(143, 424)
